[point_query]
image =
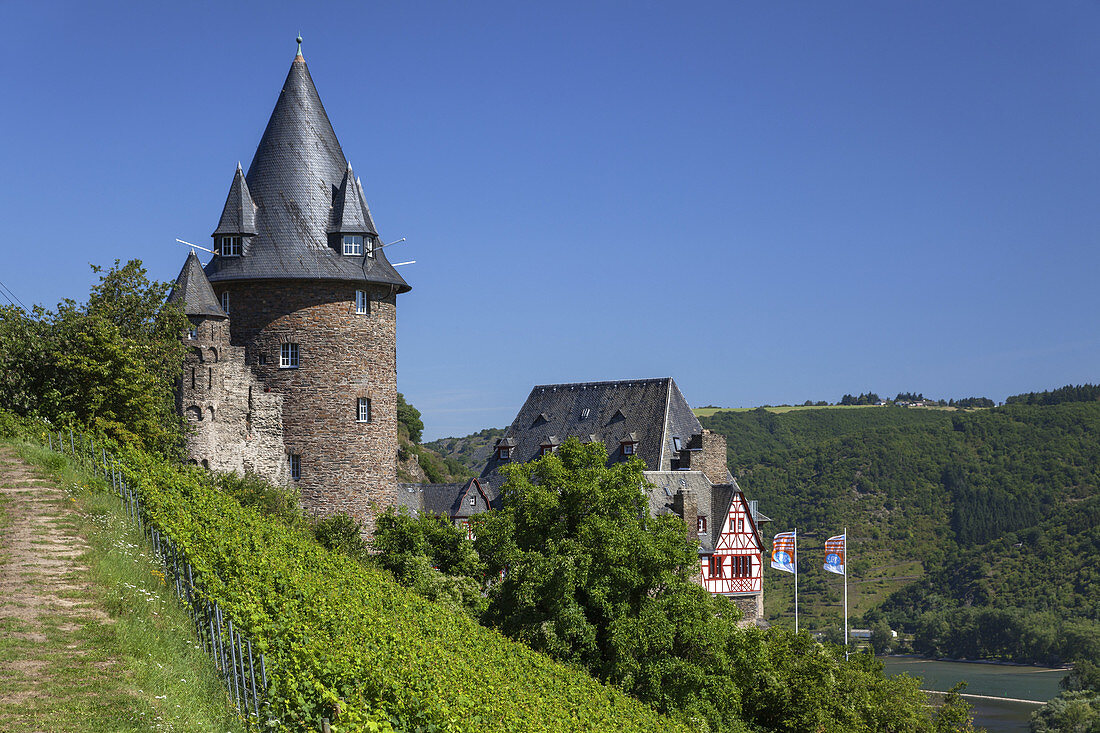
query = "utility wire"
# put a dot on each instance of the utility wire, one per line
(12, 295)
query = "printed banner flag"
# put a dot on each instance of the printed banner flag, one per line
(835, 548)
(783, 552)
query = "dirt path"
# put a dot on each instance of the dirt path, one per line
(54, 675)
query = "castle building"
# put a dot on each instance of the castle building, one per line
(292, 372)
(687, 473)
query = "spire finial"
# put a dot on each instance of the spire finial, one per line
(299, 43)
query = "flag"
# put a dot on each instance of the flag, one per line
(835, 548)
(783, 552)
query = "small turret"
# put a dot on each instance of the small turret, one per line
(195, 296)
(238, 221)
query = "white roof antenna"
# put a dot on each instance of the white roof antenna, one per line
(195, 246)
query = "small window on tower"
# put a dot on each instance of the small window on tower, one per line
(263, 359)
(288, 356)
(701, 525)
(225, 302)
(191, 334)
(362, 302)
(353, 244)
(363, 410)
(295, 466)
(231, 246)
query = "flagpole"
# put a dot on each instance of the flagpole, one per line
(845, 566)
(796, 580)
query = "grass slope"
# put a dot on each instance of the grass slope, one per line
(91, 638)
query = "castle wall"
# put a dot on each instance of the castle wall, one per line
(346, 465)
(235, 425)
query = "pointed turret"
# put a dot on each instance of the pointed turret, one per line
(295, 180)
(192, 290)
(349, 208)
(239, 212)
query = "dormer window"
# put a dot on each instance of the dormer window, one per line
(545, 450)
(676, 445)
(585, 413)
(701, 524)
(353, 244)
(627, 447)
(504, 453)
(370, 247)
(231, 246)
(192, 334)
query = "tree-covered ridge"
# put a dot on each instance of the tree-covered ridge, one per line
(1069, 393)
(999, 506)
(472, 451)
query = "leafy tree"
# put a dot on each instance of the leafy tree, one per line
(1070, 712)
(409, 416)
(110, 364)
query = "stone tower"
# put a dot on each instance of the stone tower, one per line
(312, 311)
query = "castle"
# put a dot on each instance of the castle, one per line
(292, 370)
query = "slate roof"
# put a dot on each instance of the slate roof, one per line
(193, 290)
(650, 411)
(239, 212)
(450, 500)
(294, 179)
(350, 214)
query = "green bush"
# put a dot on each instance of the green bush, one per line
(252, 490)
(342, 533)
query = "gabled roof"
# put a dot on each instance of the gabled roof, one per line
(648, 411)
(239, 212)
(192, 290)
(298, 169)
(349, 209)
(450, 500)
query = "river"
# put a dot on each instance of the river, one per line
(996, 680)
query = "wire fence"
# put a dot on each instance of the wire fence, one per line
(244, 673)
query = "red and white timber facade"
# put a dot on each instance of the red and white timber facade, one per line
(735, 568)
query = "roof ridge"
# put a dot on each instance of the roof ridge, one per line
(605, 383)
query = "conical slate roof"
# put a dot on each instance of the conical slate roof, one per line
(294, 179)
(239, 213)
(193, 291)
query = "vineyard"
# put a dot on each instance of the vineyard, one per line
(343, 645)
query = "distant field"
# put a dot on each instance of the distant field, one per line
(708, 411)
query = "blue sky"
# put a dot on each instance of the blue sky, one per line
(770, 202)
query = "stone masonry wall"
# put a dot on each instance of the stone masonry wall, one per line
(752, 607)
(236, 425)
(712, 459)
(346, 465)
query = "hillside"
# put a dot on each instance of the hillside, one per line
(472, 451)
(991, 508)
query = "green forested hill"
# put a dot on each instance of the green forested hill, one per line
(956, 513)
(471, 451)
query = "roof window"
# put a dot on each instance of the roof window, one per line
(676, 445)
(585, 413)
(230, 246)
(353, 244)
